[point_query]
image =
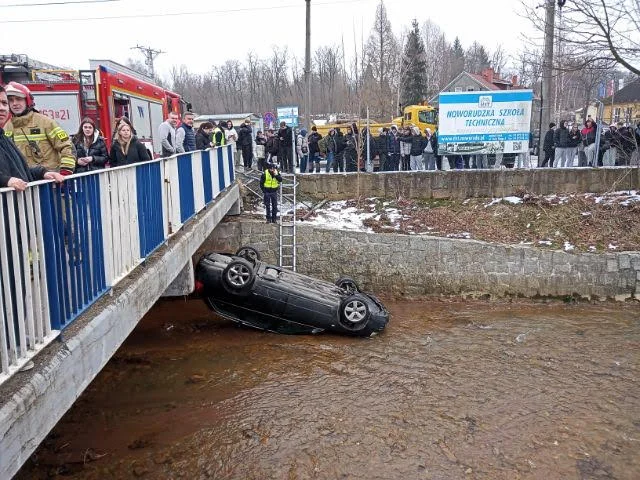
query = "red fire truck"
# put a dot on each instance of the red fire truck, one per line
(105, 92)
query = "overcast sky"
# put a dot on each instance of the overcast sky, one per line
(201, 34)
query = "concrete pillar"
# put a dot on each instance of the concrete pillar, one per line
(183, 284)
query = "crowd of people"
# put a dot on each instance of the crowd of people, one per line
(392, 149)
(45, 147)
(408, 149)
(566, 146)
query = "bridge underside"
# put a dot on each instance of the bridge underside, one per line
(32, 402)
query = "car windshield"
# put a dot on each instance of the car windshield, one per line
(427, 116)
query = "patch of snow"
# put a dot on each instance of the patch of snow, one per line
(459, 235)
(513, 200)
(528, 225)
(585, 214)
(545, 242)
(612, 247)
(568, 247)
(592, 248)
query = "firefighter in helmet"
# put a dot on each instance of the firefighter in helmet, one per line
(39, 138)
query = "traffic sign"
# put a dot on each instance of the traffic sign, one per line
(289, 115)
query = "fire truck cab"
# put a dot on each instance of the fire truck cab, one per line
(104, 93)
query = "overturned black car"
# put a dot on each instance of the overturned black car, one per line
(246, 290)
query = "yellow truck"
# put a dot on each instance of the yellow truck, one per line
(421, 116)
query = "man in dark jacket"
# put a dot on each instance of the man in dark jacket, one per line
(341, 144)
(350, 152)
(383, 149)
(14, 171)
(270, 183)
(186, 135)
(562, 144)
(285, 142)
(314, 150)
(548, 146)
(393, 147)
(272, 147)
(245, 142)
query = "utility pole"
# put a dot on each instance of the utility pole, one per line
(307, 67)
(547, 70)
(150, 55)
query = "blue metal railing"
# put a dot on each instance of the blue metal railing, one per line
(68, 244)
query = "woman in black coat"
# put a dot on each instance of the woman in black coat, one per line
(204, 136)
(90, 147)
(126, 148)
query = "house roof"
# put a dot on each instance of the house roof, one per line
(628, 94)
(476, 78)
(480, 80)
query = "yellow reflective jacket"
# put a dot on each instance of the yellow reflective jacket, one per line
(42, 142)
(219, 137)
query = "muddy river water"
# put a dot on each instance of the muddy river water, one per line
(451, 390)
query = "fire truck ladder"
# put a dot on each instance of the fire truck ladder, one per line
(287, 222)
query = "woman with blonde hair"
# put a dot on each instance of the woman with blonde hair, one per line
(126, 148)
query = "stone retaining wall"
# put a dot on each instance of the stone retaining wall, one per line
(421, 265)
(461, 184)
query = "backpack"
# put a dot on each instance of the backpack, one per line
(322, 145)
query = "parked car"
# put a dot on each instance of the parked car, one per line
(248, 291)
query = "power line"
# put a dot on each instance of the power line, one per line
(175, 14)
(46, 4)
(150, 55)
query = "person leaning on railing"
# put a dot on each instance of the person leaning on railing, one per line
(39, 138)
(14, 171)
(126, 149)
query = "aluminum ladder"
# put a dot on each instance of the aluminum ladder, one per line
(287, 222)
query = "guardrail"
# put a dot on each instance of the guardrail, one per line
(63, 246)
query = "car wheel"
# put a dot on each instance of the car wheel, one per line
(238, 276)
(354, 312)
(248, 253)
(348, 284)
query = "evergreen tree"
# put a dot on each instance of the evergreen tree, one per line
(457, 60)
(414, 67)
(476, 58)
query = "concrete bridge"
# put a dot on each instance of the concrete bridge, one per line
(81, 263)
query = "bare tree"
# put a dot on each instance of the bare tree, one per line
(597, 30)
(498, 59)
(381, 54)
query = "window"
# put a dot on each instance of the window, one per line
(616, 114)
(427, 116)
(407, 116)
(628, 113)
(458, 89)
(470, 89)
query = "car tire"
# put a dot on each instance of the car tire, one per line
(238, 276)
(348, 284)
(248, 253)
(354, 313)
